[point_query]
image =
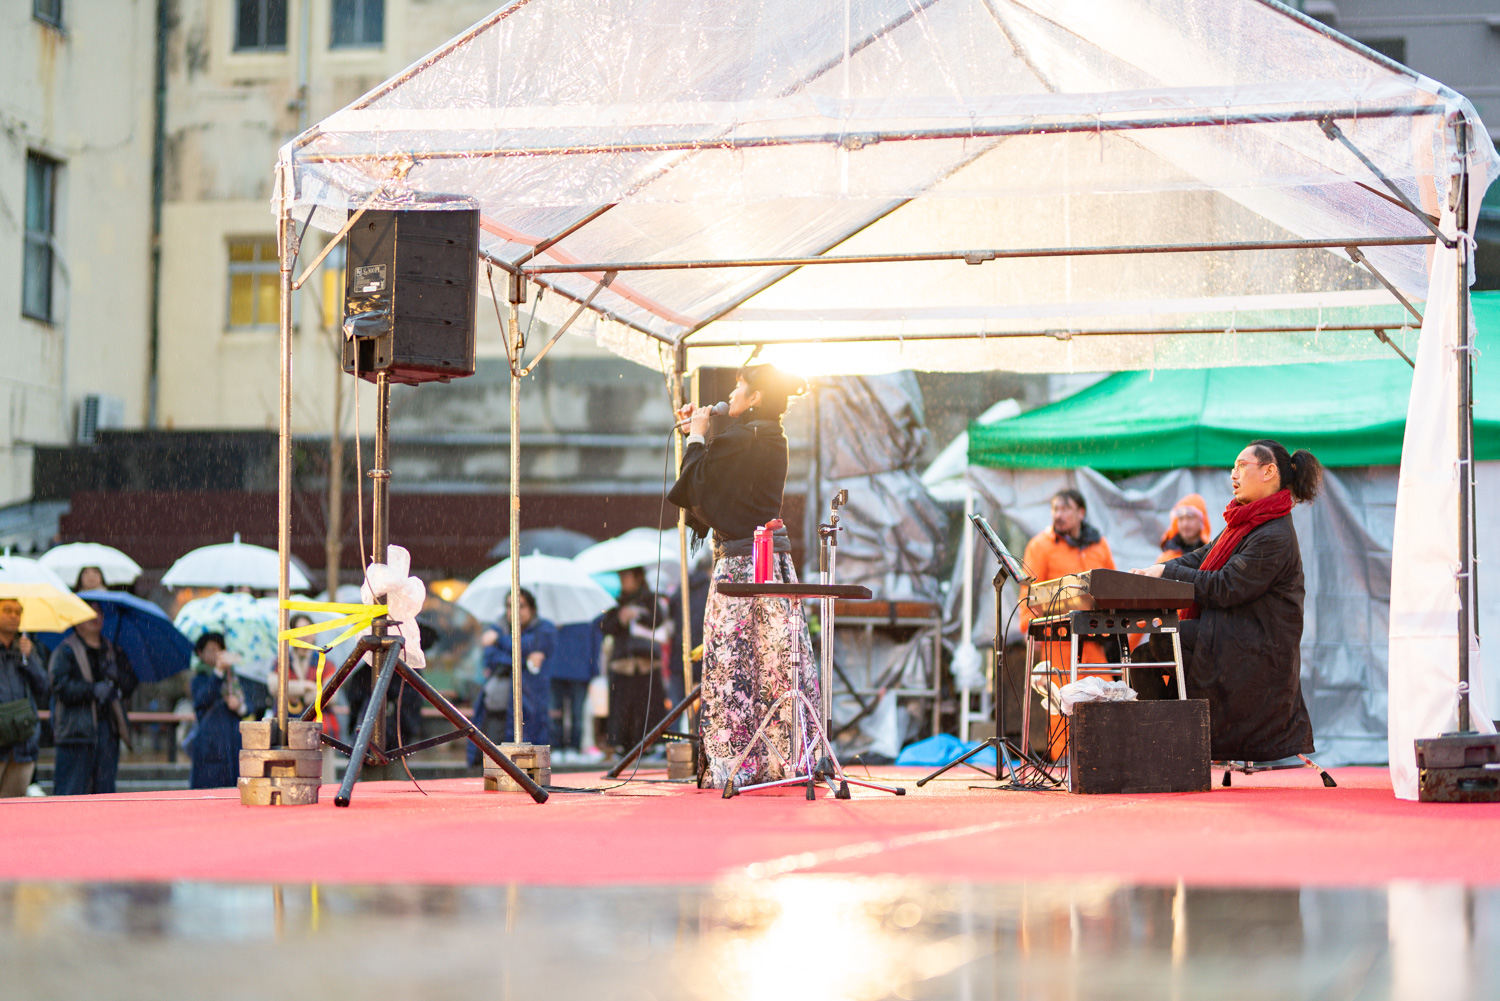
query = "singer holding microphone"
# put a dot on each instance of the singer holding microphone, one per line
(753, 648)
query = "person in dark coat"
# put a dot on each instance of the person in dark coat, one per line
(220, 702)
(21, 678)
(641, 626)
(496, 696)
(91, 680)
(1242, 637)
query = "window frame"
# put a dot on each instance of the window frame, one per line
(360, 19)
(52, 17)
(42, 242)
(257, 268)
(263, 9)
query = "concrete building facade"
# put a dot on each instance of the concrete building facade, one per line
(77, 84)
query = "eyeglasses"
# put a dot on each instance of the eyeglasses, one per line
(1242, 464)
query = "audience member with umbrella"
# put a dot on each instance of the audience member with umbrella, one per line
(220, 703)
(91, 681)
(249, 637)
(23, 690)
(91, 565)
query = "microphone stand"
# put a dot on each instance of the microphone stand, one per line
(1024, 770)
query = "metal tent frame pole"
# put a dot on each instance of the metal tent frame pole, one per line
(513, 335)
(979, 255)
(1465, 351)
(286, 238)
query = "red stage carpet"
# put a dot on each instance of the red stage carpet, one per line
(1270, 829)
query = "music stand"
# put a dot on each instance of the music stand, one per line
(1006, 752)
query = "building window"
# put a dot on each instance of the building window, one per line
(1393, 49)
(48, 12)
(260, 26)
(41, 220)
(254, 282)
(357, 24)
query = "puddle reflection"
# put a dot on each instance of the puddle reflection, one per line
(791, 937)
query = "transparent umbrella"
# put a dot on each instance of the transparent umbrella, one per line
(565, 593)
(233, 564)
(67, 560)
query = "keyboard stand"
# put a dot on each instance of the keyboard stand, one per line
(1048, 630)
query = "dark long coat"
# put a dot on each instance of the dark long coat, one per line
(1244, 651)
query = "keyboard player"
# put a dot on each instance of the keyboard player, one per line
(1070, 546)
(1242, 637)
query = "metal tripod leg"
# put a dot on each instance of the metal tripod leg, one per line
(373, 710)
(466, 726)
(656, 732)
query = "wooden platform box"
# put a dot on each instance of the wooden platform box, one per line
(1132, 747)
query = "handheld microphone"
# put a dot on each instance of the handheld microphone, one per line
(720, 409)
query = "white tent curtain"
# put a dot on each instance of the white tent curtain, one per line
(1425, 560)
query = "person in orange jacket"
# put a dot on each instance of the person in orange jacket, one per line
(1190, 530)
(1070, 546)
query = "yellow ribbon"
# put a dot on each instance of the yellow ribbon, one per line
(352, 618)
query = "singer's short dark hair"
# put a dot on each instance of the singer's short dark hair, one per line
(774, 386)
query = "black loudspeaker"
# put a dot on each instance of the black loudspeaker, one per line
(409, 295)
(1148, 746)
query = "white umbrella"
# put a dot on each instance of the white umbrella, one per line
(565, 593)
(639, 547)
(233, 564)
(68, 560)
(47, 605)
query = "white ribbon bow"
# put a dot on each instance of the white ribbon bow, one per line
(403, 595)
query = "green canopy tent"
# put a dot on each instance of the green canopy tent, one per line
(1348, 414)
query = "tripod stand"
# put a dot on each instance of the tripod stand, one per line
(814, 768)
(386, 651)
(1025, 771)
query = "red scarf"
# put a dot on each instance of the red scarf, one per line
(1239, 520)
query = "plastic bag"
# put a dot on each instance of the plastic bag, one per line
(1094, 689)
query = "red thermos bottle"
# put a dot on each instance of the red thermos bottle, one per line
(764, 550)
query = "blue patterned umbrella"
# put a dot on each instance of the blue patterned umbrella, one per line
(248, 630)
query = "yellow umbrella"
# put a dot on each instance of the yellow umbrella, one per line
(47, 606)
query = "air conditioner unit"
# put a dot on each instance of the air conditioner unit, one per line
(97, 412)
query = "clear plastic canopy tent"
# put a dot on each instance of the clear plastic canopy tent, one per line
(859, 186)
(746, 137)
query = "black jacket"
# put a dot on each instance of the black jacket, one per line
(734, 484)
(21, 678)
(629, 645)
(1244, 651)
(75, 713)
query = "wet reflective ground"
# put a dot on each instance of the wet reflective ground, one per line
(781, 939)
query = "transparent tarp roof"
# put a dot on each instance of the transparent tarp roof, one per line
(625, 131)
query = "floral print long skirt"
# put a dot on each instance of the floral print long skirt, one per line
(753, 650)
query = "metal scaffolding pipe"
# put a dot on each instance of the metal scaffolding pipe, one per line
(853, 141)
(979, 256)
(1061, 335)
(285, 238)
